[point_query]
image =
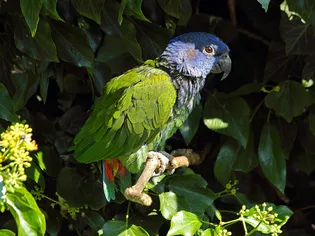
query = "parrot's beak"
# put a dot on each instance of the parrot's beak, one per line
(223, 65)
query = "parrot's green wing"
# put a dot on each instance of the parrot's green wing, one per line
(132, 110)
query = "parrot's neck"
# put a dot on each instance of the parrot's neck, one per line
(187, 87)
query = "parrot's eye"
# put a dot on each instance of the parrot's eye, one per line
(209, 50)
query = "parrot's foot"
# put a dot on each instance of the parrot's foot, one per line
(156, 164)
(164, 159)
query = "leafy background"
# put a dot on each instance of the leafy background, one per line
(256, 126)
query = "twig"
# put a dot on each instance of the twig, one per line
(231, 5)
(254, 36)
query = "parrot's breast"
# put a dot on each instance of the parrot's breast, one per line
(187, 97)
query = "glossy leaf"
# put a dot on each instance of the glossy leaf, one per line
(190, 126)
(192, 187)
(170, 204)
(180, 9)
(271, 156)
(90, 9)
(247, 158)
(306, 163)
(130, 41)
(284, 102)
(30, 10)
(41, 47)
(94, 194)
(135, 7)
(6, 105)
(6, 232)
(36, 175)
(114, 227)
(69, 186)
(224, 164)
(308, 73)
(25, 86)
(72, 44)
(51, 7)
(228, 116)
(298, 37)
(28, 217)
(134, 230)
(184, 223)
(152, 38)
(264, 4)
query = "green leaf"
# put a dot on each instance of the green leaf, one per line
(184, 223)
(192, 187)
(134, 6)
(303, 8)
(25, 86)
(306, 163)
(130, 41)
(279, 65)
(271, 156)
(41, 47)
(28, 217)
(94, 194)
(30, 10)
(121, 11)
(180, 9)
(109, 15)
(48, 160)
(94, 220)
(170, 204)
(246, 159)
(308, 73)
(284, 102)
(90, 9)
(228, 116)
(225, 161)
(6, 232)
(190, 126)
(264, 4)
(111, 48)
(72, 44)
(36, 175)
(51, 7)
(134, 230)
(69, 186)
(101, 74)
(298, 37)
(208, 232)
(152, 38)
(6, 105)
(113, 227)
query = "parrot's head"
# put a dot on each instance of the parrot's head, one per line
(197, 54)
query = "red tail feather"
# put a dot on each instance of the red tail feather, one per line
(113, 167)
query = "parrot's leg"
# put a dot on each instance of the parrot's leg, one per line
(155, 163)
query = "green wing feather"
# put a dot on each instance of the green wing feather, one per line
(132, 111)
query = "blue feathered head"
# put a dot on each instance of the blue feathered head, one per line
(197, 54)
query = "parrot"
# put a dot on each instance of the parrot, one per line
(142, 108)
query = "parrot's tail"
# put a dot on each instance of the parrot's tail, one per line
(114, 168)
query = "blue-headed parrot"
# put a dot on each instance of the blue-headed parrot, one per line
(140, 109)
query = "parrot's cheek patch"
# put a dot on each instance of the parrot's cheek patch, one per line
(191, 53)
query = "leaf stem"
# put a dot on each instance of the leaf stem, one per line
(253, 230)
(256, 109)
(244, 224)
(127, 215)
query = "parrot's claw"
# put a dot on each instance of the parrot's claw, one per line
(164, 162)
